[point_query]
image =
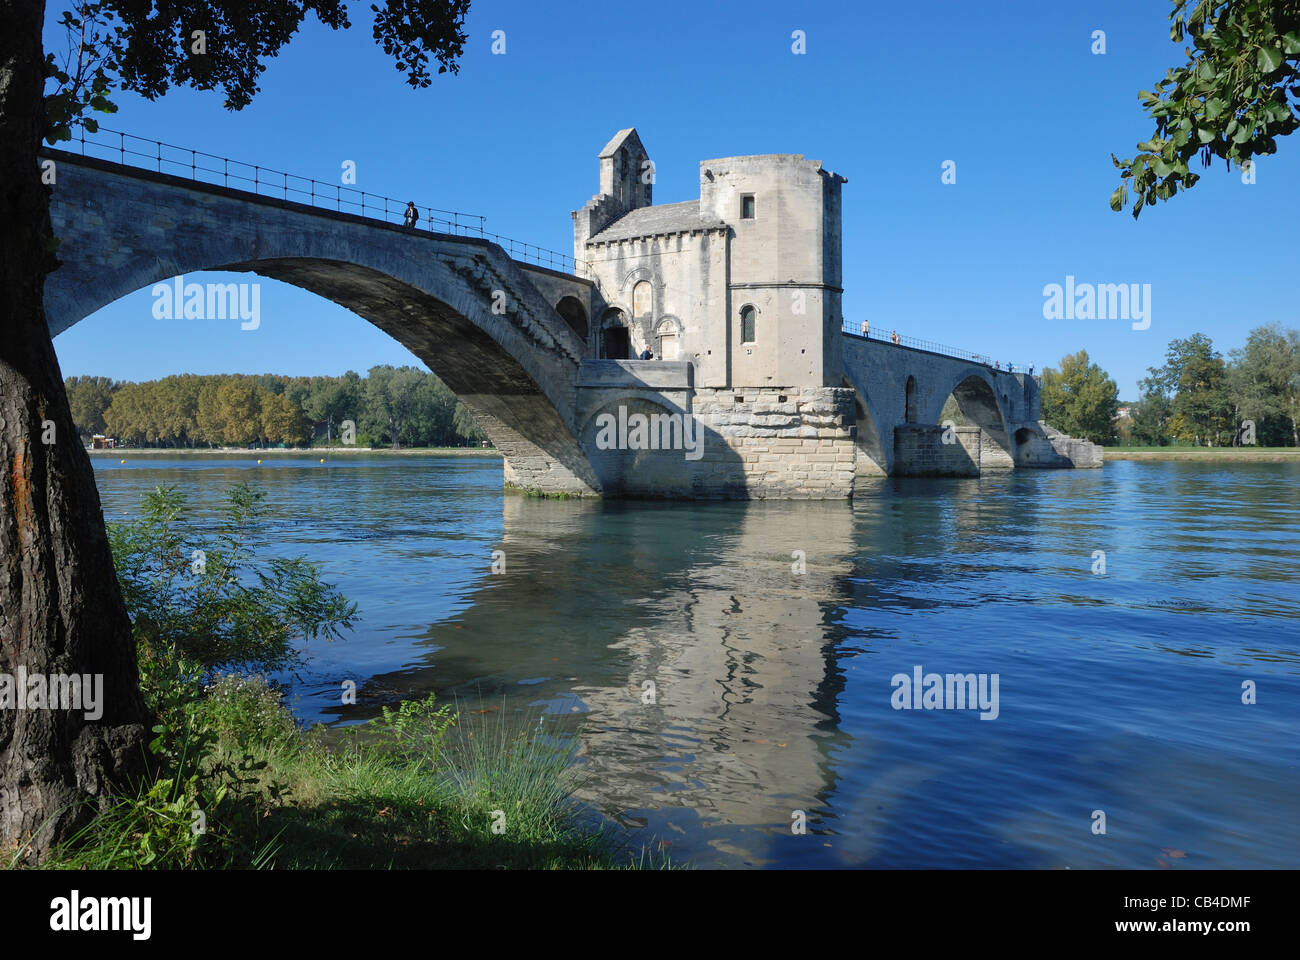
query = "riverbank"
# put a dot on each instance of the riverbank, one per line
(121, 452)
(1206, 454)
(420, 787)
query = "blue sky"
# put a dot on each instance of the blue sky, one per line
(885, 94)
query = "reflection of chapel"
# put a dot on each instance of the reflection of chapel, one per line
(744, 282)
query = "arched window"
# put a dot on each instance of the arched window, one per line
(748, 322)
(909, 409)
(641, 299)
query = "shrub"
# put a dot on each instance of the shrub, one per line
(213, 600)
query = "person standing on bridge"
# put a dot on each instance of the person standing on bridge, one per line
(412, 215)
(866, 327)
(893, 337)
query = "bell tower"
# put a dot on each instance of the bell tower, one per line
(626, 173)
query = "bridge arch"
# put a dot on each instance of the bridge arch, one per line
(977, 398)
(872, 455)
(460, 304)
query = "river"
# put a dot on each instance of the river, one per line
(777, 635)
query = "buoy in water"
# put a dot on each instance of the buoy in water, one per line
(322, 460)
(121, 461)
(259, 461)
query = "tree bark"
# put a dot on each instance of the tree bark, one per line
(61, 610)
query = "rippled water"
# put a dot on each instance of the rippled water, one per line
(1118, 692)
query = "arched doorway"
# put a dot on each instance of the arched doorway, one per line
(615, 338)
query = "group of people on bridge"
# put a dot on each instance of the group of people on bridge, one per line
(895, 339)
(893, 334)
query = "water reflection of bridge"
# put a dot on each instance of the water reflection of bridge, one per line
(748, 658)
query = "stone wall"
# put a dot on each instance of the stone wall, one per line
(921, 451)
(793, 443)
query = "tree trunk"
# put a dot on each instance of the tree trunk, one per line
(61, 611)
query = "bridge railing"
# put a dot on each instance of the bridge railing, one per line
(931, 346)
(130, 150)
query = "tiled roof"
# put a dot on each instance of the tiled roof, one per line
(656, 221)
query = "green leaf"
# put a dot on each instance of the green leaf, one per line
(1269, 59)
(1213, 108)
(1117, 198)
(1291, 43)
(91, 126)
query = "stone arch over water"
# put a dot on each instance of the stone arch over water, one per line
(460, 304)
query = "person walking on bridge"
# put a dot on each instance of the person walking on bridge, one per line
(412, 215)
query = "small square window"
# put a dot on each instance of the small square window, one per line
(747, 207)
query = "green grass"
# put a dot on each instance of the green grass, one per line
(419, 787)
(1272, 454)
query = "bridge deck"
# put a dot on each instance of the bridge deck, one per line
(126, 152)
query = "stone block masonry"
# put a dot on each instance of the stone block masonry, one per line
(921, 451)
(792, 444)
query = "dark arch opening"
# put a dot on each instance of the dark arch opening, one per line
(574, 314)
(615, 338)
(909, 407)
(1023, 435)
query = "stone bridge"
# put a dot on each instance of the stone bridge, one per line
(511, 340)
(123, 228)
(899, 397)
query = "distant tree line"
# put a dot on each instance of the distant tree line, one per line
(392, 406)
(1197, 396)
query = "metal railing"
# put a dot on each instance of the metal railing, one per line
(855, 330)
(130, 150)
